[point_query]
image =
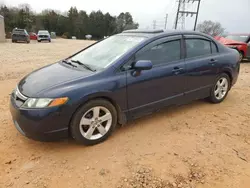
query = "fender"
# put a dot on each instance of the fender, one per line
(107, 95)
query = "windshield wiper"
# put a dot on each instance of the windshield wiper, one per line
(67, 62)
(84, 65)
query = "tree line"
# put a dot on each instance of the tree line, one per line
(74, 22)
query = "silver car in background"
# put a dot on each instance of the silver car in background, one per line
(43, 35)
(20, 35)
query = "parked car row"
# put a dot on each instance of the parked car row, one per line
(21, 35)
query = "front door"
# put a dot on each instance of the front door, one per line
(164, 84)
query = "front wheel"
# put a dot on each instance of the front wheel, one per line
(93, 122)
(220, 89)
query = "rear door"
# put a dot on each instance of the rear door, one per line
(162, 85)
(202, 64)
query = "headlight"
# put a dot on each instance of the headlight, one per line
(44, 102)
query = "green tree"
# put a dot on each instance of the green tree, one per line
(125, 21)
(72, 23)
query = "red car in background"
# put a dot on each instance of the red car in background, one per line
(240, 42)
(33, 36)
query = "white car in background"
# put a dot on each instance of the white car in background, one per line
(43, 35)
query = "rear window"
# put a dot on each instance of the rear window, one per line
(19, 31)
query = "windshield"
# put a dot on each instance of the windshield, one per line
(43, 32)
(240, 38)
(107, 51)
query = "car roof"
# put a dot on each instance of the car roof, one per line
(17, 29)
(155, 33)
(43, 31)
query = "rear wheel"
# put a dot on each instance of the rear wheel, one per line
(220, 89)
(93, 122)
(38, 41)
(241, 56)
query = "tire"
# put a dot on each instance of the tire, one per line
(38, 41)
(28, 42)
(13, 41)
(86, 115)
(241, 56)
(217, 95)
(49, 40)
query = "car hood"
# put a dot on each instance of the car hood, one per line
(49, 76)
(226, 41)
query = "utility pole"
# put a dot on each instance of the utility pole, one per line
(182, 13)
(154, 24)
(198, 9)
(166, 21)
(183, 8)
(177, 14)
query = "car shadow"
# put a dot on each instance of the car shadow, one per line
(167, 112)
(70, 144)
(245, 61)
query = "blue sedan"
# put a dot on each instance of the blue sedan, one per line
(121, 78)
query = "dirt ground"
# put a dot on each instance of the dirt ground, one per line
(198, 145)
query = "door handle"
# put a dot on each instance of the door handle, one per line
(212, 61)
(177, 70)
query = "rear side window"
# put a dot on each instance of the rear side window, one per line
(197, 47)
(161, 53)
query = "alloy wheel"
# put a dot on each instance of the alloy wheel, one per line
(95, 123)
(241, 56)
(221, 88)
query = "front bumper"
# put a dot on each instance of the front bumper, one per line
(43, 38)
(39, 124)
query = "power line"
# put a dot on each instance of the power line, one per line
(182, 12)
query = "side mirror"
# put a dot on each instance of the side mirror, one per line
(143, 65)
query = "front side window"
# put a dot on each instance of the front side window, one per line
(197, 47)
(107, 51)
(161, 53)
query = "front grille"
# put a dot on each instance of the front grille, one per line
(43, 36)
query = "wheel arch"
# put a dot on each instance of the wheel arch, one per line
(121, 117)
(243, 53)
(229, 73)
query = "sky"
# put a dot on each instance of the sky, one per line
(234, 15)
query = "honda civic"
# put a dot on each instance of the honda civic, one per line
(121, 78)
